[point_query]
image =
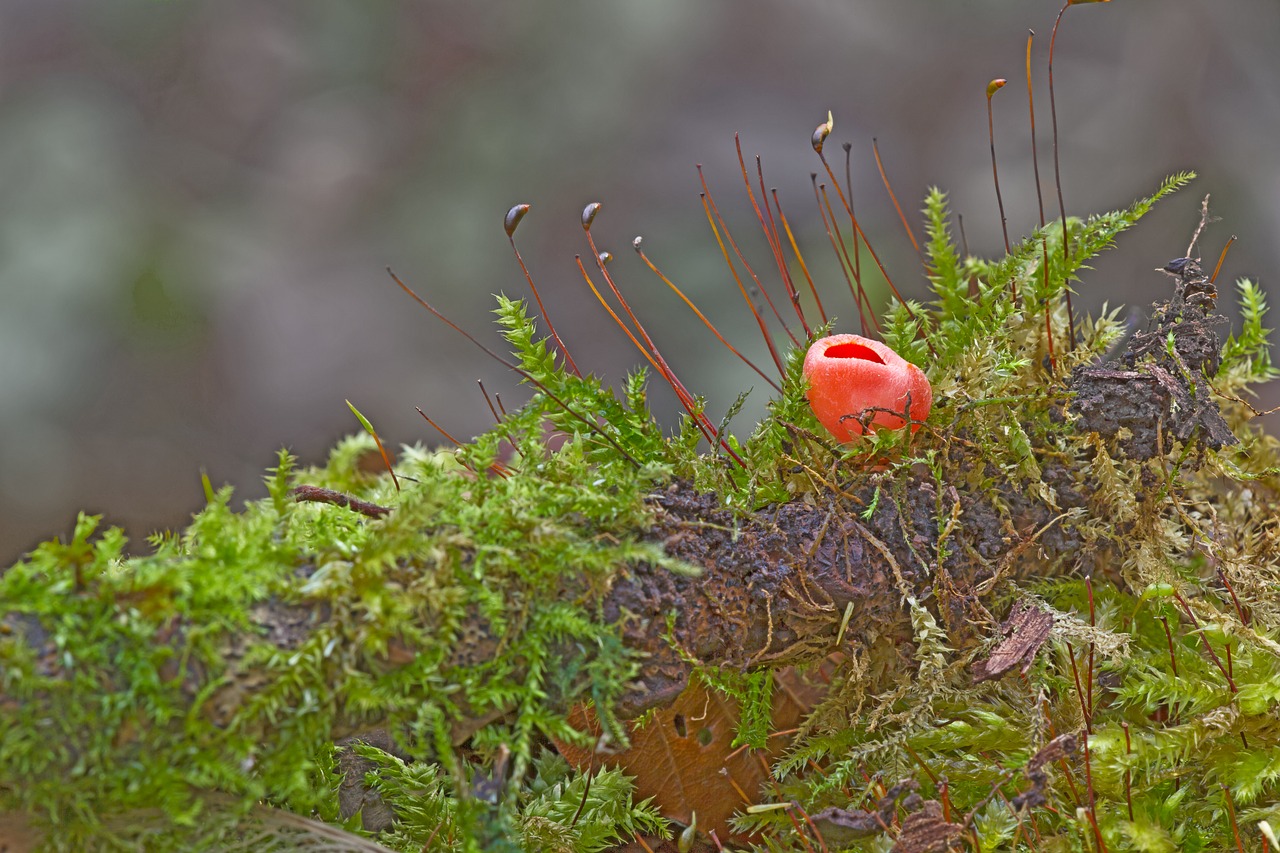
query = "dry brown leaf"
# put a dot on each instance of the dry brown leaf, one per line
(683, 756)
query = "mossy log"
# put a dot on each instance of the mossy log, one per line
(464, 615)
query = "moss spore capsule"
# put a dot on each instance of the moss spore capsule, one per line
(821, 132)
(511, 221)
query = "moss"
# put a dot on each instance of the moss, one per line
(141, 682)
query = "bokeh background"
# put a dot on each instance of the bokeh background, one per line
(198, 197)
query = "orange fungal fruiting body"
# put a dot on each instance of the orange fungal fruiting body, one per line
(854, 380)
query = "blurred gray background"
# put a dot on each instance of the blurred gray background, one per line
(198, 197)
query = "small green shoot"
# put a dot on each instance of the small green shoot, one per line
(368, 427)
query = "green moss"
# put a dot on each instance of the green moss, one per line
(144, 695)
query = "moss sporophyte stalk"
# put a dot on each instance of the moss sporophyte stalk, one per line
(1045, 617)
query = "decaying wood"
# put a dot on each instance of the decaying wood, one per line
(1022, 635)
(776, 587)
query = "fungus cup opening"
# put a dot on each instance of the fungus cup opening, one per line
(853, 350)
(857, 385)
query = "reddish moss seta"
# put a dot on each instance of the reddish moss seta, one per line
(855, 380)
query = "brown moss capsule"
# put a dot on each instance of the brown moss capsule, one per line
(512, 220)
(589, 215)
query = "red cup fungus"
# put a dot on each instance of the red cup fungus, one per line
(855, 381)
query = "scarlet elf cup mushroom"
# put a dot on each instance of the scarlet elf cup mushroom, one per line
(856, 385)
